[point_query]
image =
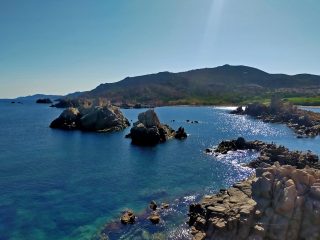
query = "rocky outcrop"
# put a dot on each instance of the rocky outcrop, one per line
(128, 217)
(153, 205)
(304, 123)
(180, 133)
(98, 119)
(280, 202)
(238, 110)
(69, 119)
(154, 217)
(149, 131)
(44, 101)
(224, 215)
(269, 153)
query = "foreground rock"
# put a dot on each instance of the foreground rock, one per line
(99, 119)
(281, 202)
(304, 123)
(149, 131)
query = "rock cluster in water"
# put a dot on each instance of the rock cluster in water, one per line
(304, 123)
(269, 153)
(128, 217)
(149, 131)
(99, 119)
(279, 202)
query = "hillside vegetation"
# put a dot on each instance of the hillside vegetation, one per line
(209, 86)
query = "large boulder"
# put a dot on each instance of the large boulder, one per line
(149, 131)
(104, 119)
(149, 119)
(68, 119)
(99, 119)
(128, 217)
(142, 135)
(180, 133)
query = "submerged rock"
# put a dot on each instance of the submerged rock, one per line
(99, 119)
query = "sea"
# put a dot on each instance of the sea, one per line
(57, 184)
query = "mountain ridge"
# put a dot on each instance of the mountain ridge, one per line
(223, 84)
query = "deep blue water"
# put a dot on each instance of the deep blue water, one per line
(67, 185)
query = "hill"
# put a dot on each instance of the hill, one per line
(221, 85)
(34, 98)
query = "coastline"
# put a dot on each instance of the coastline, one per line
(280, 201)
(241, 194)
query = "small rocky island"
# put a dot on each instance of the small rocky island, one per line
(105, 118)
(304, 123)
(149, 131)
(280, 201)
(44, 100)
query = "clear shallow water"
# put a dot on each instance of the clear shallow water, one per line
(67, 185)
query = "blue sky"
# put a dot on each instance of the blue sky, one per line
(62, 46)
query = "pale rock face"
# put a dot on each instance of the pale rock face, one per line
(149, 118)
(103, 119)
(300, 176)
(99, 119)
(285, 204)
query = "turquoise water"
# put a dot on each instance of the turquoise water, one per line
(67, 185)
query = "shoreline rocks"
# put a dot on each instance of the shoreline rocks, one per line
(98, 119)
(280, 201)
(304, 123)
(269, 153)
